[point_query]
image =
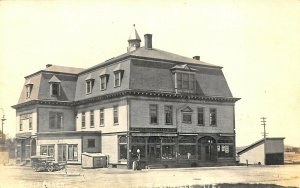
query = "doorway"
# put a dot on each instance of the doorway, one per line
(154, 152)
(207, 149)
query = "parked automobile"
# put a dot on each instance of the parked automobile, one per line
(44, 163)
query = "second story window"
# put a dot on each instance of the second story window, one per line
(201, 116)
(55, 120)
(101, 117)
(28, 90)
(30, 121)
(92, 118)
(83, 120)
(187, 115)
(153, 113)
(21, 124)
(116, 115)
(168, 114)
(212, 117)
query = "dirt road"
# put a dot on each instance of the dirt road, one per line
(14, 176)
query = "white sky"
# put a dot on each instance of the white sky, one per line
(257, 43)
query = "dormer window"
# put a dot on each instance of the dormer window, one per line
(118, 72)
(54, 86)
(28, 90)
(89, 84)
(184, 78)
(117, 79)
(55, 91)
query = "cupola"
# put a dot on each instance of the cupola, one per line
(134, 40)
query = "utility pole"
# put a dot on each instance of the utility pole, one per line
(2, 123)
(263, 122)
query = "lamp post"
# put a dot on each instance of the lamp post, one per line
(2, 123)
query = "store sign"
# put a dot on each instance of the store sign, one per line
(153, 129)
(22, 135)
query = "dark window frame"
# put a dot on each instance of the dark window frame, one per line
(92, 119)
(152, 111)
(201, 116)
(56, 120)
(116, 115)
(168, 112)
(213, 117)
(83, 123)
(102, 119)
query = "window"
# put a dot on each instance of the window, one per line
(91, 143)
(187, 147)
(21, 124)
(72, 152)
(83, 120)
(55, 89)
(103, 82)
(117, 79)
(92, 118)
(30, 121)
(225, 150)
(116, 115)
(28, 90)
(47, 150)
(187, 117)
(168, 114)
(185, 81)
(89, 86)
(212, 117)
(122, 148)
(101, 117)
(62, 152)
(55, 120)
(201, 116)
(153, 114)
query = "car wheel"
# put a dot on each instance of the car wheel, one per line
(50, 168)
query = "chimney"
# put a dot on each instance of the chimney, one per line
(48, 65)
(148, 41)
(196, 57)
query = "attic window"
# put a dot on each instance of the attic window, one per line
(28, 90)
(89, 86)
(184, 78)
(54, 86)
(103, 82)
(118, 71)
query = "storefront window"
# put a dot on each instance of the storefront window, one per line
(168, 152)
(27, 152)
(168, 140)
(122, 148)
(225, 150)
(154, 139)
(72, 152)
(47, 150)
(18, 152)
(187, 152)
(123, 152)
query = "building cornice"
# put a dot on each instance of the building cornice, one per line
(146, 93)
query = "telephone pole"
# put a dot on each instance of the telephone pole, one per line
(263, 122)
(2, 123)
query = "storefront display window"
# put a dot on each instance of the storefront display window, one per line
(47, 150)
(122, 148)
(187, 152)
(168, 152)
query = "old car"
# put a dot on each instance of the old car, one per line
(44, 163)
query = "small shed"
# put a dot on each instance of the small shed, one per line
(270, 152)
(94, 160)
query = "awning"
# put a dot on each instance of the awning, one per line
(153, 134)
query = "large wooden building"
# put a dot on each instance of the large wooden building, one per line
(176, 111)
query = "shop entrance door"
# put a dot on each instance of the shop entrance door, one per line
(62, 152)
(154, 152)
